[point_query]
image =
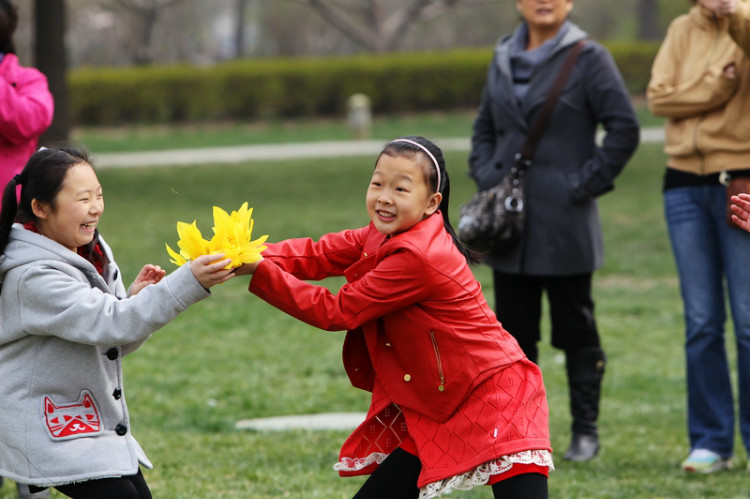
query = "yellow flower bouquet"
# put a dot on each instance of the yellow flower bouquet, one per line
(232, 236)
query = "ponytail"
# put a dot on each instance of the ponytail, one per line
(8, 211)
(471, 257)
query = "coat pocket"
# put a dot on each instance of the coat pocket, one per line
(440, 372)
(72, 419)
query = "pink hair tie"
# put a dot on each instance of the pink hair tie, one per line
(427, 152)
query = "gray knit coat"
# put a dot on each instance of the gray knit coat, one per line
(63, 332)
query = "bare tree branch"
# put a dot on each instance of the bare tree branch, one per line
(147, 13)
(376, 29)
(401, 19)
(346, 25)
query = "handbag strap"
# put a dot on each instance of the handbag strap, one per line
(523, 158)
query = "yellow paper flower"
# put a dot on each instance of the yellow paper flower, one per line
(232, 236)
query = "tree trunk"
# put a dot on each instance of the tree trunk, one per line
(648, 20)
(144, 52)
(50, 59)
(146, 15)
(239, 34)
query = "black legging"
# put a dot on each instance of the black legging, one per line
(518, 304)
(126, 487)
(396, 478)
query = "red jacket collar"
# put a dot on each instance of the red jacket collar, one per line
(92, 252)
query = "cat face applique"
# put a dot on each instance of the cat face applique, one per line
(77, 419)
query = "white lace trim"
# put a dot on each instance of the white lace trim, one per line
(356, 463)
(478, 476)
(481, 474)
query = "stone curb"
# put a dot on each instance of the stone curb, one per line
(325, 421)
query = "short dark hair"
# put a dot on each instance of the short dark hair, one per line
(8, 24)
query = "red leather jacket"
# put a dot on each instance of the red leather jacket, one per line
(414, 312)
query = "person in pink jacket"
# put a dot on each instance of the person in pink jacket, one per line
(455, 402)
(26, 104)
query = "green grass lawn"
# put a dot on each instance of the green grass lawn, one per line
(144, 138)
(233, 357)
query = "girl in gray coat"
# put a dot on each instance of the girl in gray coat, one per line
(66, 321)
(562, 243)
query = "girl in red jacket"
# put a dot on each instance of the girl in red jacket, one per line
(455, 403)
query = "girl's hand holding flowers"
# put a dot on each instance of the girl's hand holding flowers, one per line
(247, 268)
(232, 239)
(209, 271)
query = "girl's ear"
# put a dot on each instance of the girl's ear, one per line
(433, 203)
(41, 210)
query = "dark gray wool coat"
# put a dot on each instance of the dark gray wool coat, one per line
(563, 233)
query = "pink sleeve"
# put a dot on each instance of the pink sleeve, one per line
(26, 104)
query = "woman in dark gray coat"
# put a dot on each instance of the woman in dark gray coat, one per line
(562, 242)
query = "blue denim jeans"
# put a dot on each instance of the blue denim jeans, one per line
(712, 257)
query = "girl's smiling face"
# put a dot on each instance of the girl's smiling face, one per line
(398, 197)
(76, 211)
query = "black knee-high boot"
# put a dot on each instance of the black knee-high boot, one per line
(585, 369)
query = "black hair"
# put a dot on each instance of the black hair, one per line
(8, 24)
(398, 147)
(41, 179)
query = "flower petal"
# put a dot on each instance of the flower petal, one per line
(232, 234)
(177, 259)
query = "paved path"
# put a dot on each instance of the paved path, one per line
(269, 152)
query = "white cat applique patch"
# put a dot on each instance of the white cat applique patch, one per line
(71, 420)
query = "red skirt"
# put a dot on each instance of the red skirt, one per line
(502, 424)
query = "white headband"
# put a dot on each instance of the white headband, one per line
(428, 153)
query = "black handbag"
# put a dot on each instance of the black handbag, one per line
(493, 220)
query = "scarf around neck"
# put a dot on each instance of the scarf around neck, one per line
(523, 63)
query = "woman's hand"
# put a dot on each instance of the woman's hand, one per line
(247, 268)
(741, 211)
(720, 7)
(149, 274)
(730, 71)
(209, 269)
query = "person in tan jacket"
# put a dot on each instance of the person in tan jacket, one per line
(700, 81)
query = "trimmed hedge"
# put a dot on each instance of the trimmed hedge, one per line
(291, 87)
